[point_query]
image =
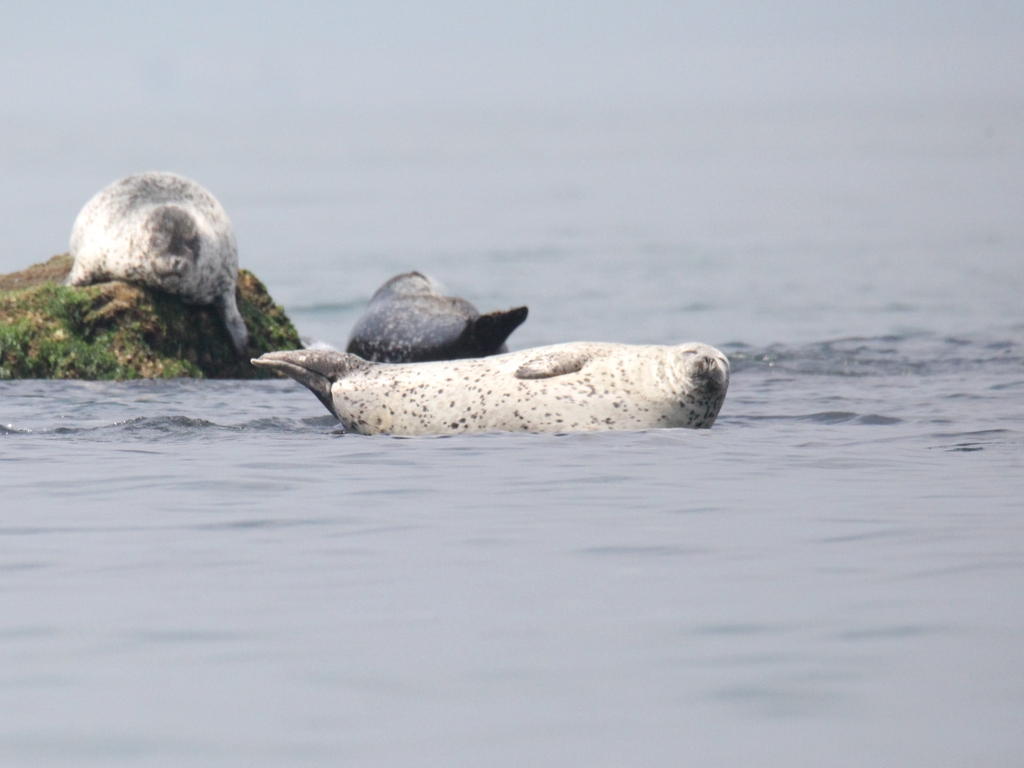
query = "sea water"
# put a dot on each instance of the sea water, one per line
(213, 573)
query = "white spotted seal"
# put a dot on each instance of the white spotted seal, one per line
(411, 320)
(561, 388)
(164, 231)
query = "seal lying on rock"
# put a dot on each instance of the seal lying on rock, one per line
(411, 320)
(164, 231)
(561, 388)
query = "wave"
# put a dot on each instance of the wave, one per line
(170, 426)
(328, 308)
(830, 417)
(919, 354)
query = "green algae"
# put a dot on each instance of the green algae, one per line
(118, 331)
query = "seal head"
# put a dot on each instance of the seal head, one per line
(411, 319)
(164, 231)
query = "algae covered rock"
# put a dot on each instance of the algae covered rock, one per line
(117, 330)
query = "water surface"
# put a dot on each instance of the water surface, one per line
(212, 573)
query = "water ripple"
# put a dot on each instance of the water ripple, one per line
(920, 354)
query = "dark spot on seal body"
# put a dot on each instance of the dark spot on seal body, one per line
(411, 320)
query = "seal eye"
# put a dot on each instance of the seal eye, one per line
(193, 246)
(187, 247)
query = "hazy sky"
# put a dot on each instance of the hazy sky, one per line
(122, 56)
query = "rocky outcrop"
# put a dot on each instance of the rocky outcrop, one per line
(118, 330)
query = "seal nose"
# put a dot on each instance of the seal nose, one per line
(708, 368)
(701, 365)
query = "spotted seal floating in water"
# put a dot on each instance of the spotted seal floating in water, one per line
(411, 320)
(164, 231)
(561, 388)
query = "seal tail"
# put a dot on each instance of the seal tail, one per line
(315, 369)
(490, 331)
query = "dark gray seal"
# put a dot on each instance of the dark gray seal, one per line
(411, 320)
(164, 231)
(562, 388)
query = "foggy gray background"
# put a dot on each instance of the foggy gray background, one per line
(90, 59)
(767, 158)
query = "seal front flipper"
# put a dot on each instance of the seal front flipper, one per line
(234, 322)
(553, 364)
(315, 369)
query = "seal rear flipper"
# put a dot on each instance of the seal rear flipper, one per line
(315, 369)
(553, 364)
(489, 332)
